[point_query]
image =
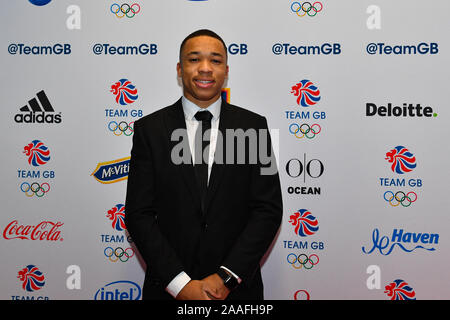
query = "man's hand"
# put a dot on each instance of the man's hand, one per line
(214, 287)
(193, 290)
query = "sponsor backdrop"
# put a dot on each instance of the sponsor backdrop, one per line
(355, 96)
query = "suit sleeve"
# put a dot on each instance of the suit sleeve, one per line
(141, 215)
(266, 211)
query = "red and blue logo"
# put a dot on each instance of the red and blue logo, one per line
(304, 222)
(400, 290)
(306, 92)
(117, 217)
(32, 279)
(37, 153)
(125, 92)
(402, 160)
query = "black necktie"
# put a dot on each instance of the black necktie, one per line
(201, 143)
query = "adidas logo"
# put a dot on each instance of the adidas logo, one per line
(38, 113)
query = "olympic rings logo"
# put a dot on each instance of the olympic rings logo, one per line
(121, 127)
(306, 8)
(34, 189)
(305, 130)
(400, 198)
(125, 9)
(118, 254)
(302, 260)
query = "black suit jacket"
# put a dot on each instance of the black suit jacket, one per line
(163, 209)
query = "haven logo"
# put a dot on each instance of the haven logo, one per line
(119, 290)
(112, 171)
(38, 110)
(405, 241)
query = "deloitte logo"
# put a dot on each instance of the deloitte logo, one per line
(38, 112)
(406, 110)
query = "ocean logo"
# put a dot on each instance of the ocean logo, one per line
(125, 92)
(306, 92)
(112, 171)
(402, 160)
(304, 222)
(117, 216)
(37, 153)
(32, 279)
(400, 290)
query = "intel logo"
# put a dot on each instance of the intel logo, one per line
(119, 290)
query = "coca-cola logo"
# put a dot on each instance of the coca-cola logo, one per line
(44, 231)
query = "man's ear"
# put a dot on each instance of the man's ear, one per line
(179, 69)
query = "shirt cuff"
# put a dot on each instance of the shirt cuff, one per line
(178, 283)
(239, 280)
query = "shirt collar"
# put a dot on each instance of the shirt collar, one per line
(190, 108)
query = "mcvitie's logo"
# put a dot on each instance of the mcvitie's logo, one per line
(112, 171)
(38, 112)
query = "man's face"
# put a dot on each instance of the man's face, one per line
(203, 69)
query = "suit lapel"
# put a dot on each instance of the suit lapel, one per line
(226, 122)
(175, 120)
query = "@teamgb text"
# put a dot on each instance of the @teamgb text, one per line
(400, 198)
(241, 147)
(34, 189)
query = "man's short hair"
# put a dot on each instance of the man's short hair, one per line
(203, 32)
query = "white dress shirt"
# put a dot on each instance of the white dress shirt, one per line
(190, 109)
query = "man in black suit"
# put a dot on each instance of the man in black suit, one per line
(202, 210)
